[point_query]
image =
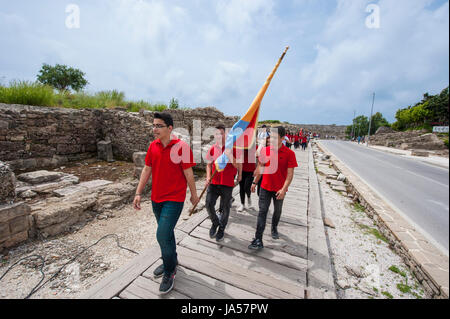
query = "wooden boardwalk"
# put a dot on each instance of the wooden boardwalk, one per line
(225, 270)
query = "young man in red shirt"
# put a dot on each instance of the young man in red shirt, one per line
(221, 185)
(276, 165)
(169, 162)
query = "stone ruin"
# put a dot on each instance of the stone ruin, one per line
(36, 202)
(417, 141)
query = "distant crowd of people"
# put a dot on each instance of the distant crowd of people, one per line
(298, 138)
(359, 139)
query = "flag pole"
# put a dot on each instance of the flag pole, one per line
(258, 98)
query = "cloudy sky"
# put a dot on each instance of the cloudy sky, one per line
(219, 53)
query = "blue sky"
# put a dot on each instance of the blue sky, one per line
(219, 53)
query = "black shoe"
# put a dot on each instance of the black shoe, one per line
(220, 234)
(212, 231)
(167, 283)
(159, 271)
(275, 234)
(256, 244)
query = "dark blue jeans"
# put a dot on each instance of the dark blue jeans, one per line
(265, 197)
(167, 215)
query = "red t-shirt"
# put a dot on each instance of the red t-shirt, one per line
(168, 165)
(226, 177)
(249, 160)
(274, 176)
(304, 139)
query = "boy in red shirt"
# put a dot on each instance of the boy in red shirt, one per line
(169, 162)
(221, 185)
(276, 165)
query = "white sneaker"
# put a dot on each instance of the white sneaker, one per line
(241, 208)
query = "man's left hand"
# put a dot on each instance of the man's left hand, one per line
(281, 194)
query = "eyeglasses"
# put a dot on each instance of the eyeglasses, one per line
(158, 126)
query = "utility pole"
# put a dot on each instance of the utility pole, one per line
(353, 126)
(370, 120)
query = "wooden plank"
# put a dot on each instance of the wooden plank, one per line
(284, 244)
(251, 261)
(188, 225)
(287, 232)
(144, 288)
(276, 256)
(198, 286)
(296, 220)
(238, 276)
(112, 285)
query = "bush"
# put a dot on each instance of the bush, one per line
(174, 104)
(27, 93)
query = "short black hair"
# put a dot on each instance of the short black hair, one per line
(220, 127)
(264, 126)
(281, 131)
(166, 117)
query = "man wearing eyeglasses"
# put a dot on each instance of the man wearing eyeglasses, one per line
(169, 162)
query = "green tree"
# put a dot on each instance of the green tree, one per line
(62, 77)
(173, 104)
(361, 126)
(378, 121)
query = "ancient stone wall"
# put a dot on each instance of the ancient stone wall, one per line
(33, 137)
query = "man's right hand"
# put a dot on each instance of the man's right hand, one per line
(253, 188)
(137, 202)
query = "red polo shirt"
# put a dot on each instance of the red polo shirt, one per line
(273, 182)
(249, 161)
(168, 165)
(226, 177)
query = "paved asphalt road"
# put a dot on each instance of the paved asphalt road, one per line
(418, 190)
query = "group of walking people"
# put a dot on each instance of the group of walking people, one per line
(299, 139)
(266, 168)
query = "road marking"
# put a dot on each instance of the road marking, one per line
(404, 169)
(438, 203)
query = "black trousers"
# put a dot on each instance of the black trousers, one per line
(245, 185)
(265, 197)
(213, 193)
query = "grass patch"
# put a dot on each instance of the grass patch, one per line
(28, 93)
(359, 208)
(387, 294)
(416, 295)
(397, 271)
(404, 288)
(373, 231)
(33, 93)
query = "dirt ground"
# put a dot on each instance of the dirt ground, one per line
(135, 230)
